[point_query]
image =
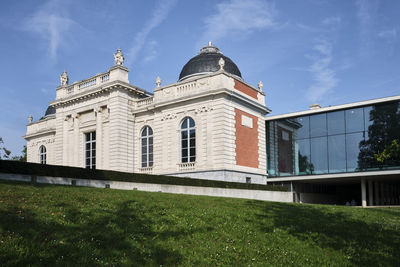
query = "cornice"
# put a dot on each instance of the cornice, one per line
(98, 91)
(185, 98)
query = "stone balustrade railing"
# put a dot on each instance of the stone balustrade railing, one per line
(145, 102)
(188, 166)
(185, 88)
(147, 170)
(78, 86)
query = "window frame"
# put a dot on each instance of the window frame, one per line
(149, 139)
(42, 154)
(92, 148)
(190, 157)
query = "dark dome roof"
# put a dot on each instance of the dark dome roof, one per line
(207, 62)
(50, 111)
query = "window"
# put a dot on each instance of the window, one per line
(147, 147)
(90, 150)
(188, 140)
(42, 154)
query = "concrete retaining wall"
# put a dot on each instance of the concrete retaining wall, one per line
(175, 189)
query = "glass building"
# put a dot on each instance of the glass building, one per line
(344, 139)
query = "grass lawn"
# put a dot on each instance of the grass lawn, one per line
(59, 225)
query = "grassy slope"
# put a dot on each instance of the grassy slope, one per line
(49, 225)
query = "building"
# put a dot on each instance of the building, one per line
(211, 124)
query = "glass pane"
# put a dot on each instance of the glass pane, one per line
(354, 120)
(150, 140)
(88, 154)
(352, 150)
(87, 162)
(150, 131)
(303, 161)
(150, 164)
(184, 152)
(192, 159)
(93, 153)
(192, 151)
(318, 125)
(144, 132)
(144, 158)
(184, 143)
(144, 149)
(335, 122)
(87, 146)
(93, 135)
(151, 149)
(184, 160)
(184, 124)
(304, 130)
(285, 151)
(319, 155)
(192, 142)
(337, 153)
(192, 133)
(184, 134)
(87, 137)
(144, 141)
(368, 117)
(94, 145)
(382, 130)
(191, 122)
(151, 157)
(144, 164)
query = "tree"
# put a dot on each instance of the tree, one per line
(4, 152)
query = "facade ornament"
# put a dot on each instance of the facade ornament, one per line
(119, 57)
(30, 118)
(64, 79)
(158, 81)
(260, 86)
(221, 63)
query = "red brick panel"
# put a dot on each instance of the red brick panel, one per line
(246, 141)
(245, 89)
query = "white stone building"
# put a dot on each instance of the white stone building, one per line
(210, 124)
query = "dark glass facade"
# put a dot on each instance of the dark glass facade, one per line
(351, 140)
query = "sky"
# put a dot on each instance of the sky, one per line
(310, 51)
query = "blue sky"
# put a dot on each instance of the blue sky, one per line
(310, 51)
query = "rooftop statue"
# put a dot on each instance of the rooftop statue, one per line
(119, 57)
(64, 78)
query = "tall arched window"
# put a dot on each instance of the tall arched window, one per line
(188, 140)
(42, 154)
(147, 147)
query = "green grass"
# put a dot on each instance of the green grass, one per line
(55, 225)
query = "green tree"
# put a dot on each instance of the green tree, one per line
(4, 152)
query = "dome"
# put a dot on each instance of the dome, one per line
(50, 111)
(207, 62)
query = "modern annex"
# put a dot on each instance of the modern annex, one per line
(211, 124)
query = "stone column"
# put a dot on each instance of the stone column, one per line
(363, 193)
(77, 144)
(370, 193)
(99, 138)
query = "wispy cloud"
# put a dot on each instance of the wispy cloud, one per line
(151, 51)
(52, 24)
(366, 10)
(388, 34)
(324, 77)
(332, 21)
(238, 17)
(160, 13)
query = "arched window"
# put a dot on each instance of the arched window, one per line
(147, 147)
(188, 140)
(42, 154)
